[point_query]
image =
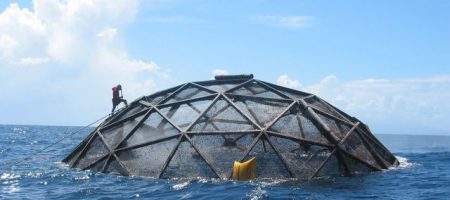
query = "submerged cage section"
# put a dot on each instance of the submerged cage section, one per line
(198, 129)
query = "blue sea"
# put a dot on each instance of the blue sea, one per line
(424, 173)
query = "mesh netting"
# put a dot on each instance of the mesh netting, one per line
(200, 129)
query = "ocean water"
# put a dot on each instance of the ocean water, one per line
(424, 173)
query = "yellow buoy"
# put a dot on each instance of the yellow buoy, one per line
(245, 170)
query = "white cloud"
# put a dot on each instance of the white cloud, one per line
(285, 81)
(109, 33)
(219, 72)
(292, 22)
(78, 57)
(408, 106)
(32, 61)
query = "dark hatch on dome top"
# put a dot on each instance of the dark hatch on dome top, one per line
(198, 129)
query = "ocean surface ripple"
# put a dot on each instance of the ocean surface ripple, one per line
(424, 173)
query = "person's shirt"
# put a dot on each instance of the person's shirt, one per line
(115, 93)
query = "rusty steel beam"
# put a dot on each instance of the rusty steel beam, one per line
(319, 123)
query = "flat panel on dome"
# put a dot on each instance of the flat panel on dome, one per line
(153, 128)
(131, 111)
(72, 157)
(147, 161)
(189, 92)
(294, 94)
(262, 111)
(320, 105)
(386, 156)
(332, 167)
(115, 168)
(155, 100)
(303, 159)
(355, 166)
(184, 114)
(117, 133)
(268, 164)
(357, 148)
(223, 150)
(98, 167)
(222, 116)
(187, 163)
(95, 151)
(255, 89)
(339, 129)
(295, 124)
(220, 87)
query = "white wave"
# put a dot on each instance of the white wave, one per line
(403, 163)
(8, 176)
(180, 186)
(85, 177)
(258, 193)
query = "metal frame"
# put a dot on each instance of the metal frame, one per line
(261, 132)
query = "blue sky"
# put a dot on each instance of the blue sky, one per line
(385, 62)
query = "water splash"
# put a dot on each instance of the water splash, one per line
(180, 186)
(403, 163)
(258, 193)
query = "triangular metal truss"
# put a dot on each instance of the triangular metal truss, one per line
(198, 129)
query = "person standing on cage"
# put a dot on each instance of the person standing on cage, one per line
(117, 98)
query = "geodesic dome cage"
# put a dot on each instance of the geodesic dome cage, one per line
(198, 129)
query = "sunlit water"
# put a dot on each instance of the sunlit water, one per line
(424, 173)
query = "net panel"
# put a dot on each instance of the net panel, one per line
(354, 166)
(184, 114)
(339, 129)
(189, 92)
(380, 150)
(220, 87)
(99, 165)
(296, 124)
(301, 158)
(222, 116)
(268, 164)
(255, 89)
(115, 168)
(96, 150)
(331, 168)
(318, 104)
(117, 133)
(153, 128)
(356, 147)
(187, 163)
(147, 161)
(131, 111)
(262, 111)
(223, 150)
